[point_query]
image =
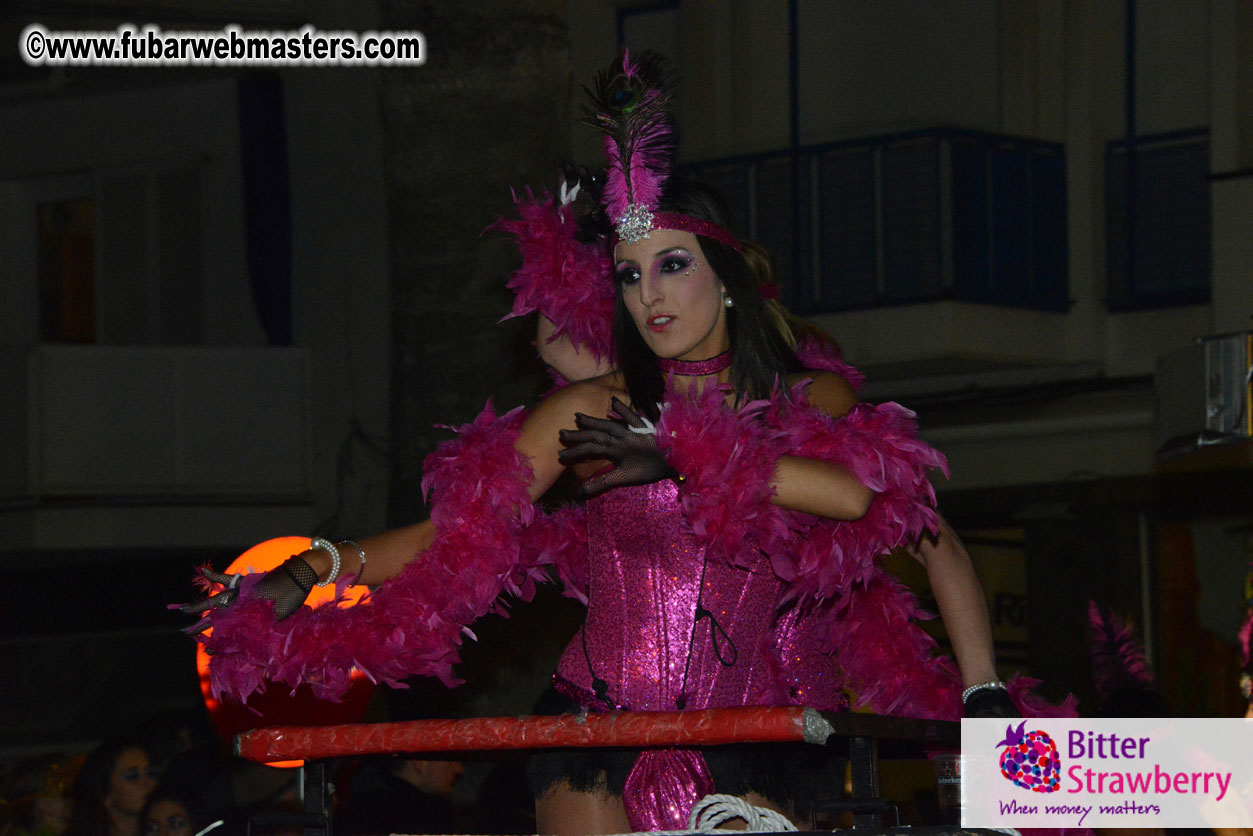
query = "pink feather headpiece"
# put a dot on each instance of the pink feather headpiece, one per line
(630, 104)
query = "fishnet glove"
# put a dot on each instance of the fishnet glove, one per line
(287, 586)
(990, 702)
(630, 443)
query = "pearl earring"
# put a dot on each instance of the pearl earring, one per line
(726, 300)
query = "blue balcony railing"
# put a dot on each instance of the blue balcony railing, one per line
(1167, 224)
(907, 218)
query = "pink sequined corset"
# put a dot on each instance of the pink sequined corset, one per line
(642, 631)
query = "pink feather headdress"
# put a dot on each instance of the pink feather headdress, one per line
(630, 104)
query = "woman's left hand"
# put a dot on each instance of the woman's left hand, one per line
(629, 442)
(287, 586)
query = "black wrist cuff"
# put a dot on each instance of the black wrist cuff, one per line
(991, 702)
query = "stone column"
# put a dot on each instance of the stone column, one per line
(490, 110)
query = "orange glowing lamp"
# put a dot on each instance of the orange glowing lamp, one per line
(278, 705)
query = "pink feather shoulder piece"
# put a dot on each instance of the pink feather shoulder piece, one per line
(727, 459)
(879, 445)
(568, 281)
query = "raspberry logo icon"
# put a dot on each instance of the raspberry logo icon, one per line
(1030, 759)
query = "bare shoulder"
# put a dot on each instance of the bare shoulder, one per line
(590, 397)
(827, 391)
(540, 439)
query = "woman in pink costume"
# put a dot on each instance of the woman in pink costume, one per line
(738, 500)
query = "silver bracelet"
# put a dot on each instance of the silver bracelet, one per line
(328, 547)
(990, 685)
(360, 553)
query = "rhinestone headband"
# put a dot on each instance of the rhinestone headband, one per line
(638, 221)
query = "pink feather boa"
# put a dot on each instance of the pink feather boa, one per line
(878, 445)
(861, 613)
(817, 354)
(413, 623)
(888, 661)
(491, 539)
(893, 666)
(727, 460)
(569, 282)
(559, 540)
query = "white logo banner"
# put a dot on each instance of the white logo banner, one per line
(1074, 772)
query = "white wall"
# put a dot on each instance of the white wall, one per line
(107, 144)
(67, 145)
(1233, 254)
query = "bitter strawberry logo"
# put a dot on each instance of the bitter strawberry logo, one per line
(1030, 759)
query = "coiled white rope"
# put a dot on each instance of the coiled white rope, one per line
(713, 810)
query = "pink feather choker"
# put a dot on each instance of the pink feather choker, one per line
(696, 368)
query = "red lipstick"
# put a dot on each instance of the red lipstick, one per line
(660, 322)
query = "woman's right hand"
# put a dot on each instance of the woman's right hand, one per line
(630, 442)
(286, 585)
